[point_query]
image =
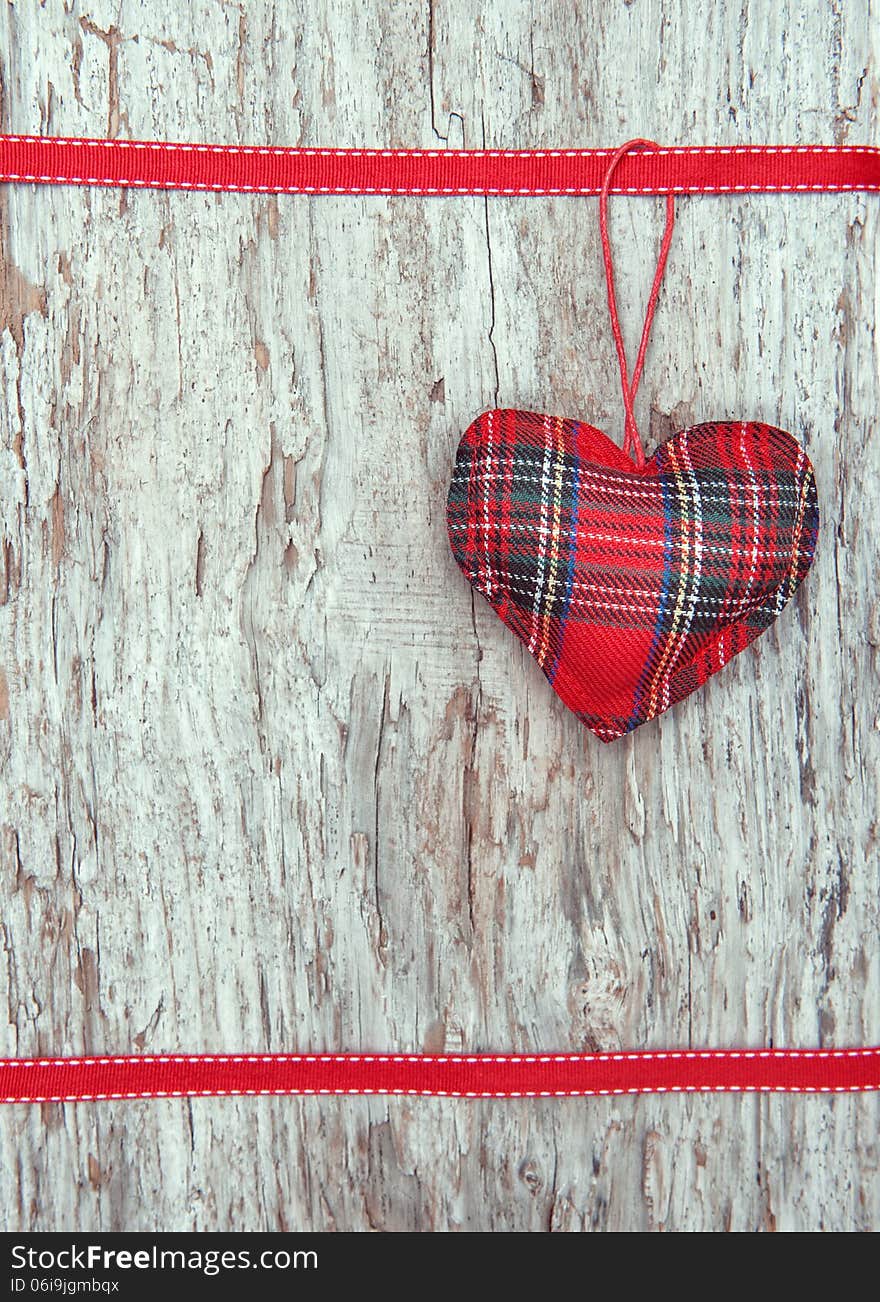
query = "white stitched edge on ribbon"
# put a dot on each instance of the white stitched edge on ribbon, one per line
(647, 1055)
(317, 151)
(235, 187)
(451, 1094)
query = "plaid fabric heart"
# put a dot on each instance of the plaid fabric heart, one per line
(630, 587)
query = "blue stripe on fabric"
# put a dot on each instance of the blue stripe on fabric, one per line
(636, 718)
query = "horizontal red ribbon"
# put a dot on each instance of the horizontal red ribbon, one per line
(707, 169)
(784, 1071)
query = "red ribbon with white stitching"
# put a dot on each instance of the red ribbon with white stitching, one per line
(737, 169)
(556, 1075)
(696, 169)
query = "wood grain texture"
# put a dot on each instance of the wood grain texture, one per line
(270, 777)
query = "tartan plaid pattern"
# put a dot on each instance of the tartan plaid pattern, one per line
(630, 588)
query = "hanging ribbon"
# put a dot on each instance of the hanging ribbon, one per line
(632, 443)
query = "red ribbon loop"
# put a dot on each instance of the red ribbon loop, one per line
(632, 443)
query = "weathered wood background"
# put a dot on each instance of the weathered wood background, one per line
(270, 778)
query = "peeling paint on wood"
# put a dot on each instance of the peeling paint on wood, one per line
(270, 776)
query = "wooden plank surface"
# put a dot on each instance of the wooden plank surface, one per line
(270, 778)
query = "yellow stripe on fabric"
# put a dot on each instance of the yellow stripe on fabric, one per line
(552, 579)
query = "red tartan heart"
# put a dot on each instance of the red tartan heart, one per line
(630, 587)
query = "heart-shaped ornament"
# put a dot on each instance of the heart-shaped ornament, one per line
(631, 585)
